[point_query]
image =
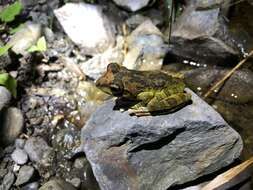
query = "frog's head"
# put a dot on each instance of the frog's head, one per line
(110, 82)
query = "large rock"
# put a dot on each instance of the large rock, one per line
(87, 26)
(132, 5)
(157, 152)
(202, 36)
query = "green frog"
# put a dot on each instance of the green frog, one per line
(152, 91)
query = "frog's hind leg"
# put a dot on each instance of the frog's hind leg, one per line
(141, 106)
(160, 102)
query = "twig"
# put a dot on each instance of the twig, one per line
(228, 175)
(227, 75)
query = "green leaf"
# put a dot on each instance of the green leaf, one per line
(9, 82)
(9, 13)
(41, 45)
(4, 49)
(33, 48)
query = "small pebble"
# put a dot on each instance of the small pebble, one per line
(75, 182)
(25, 174)
(19, 156)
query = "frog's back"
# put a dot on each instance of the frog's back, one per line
(138, 81)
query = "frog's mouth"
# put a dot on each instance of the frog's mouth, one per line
(113, 90)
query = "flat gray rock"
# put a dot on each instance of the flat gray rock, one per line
(157, 152)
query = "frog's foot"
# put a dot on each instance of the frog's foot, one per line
(172, 102)
(140, 112)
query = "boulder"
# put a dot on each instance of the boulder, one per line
(87, 26)
(202, 36)
(158, 152)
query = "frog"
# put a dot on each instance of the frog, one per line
(151, 91)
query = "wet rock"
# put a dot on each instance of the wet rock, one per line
(5, 97)
(66, 142)
(95, 34)
(160, 151)
(38, 150)
(238, 89)
(25, 38)
(146, 48)
(7, 181)
(31, 186)
(12, 122)
(19, 156)
(26, 173)
(57, 185)
(132, 5)
(202, 36)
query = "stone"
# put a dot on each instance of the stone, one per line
(76, 182)
(12, 123)
(26, 173)
(95, 34)
(19, 156)
(66, 142)
(57, 185)
(8, 181)
(202, 36)
(132, 5)
(147, 48)
(31, 186)
(158, 152)
(5, 97)
(37, 149)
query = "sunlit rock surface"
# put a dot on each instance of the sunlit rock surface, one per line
(157, 152)
(87, 26)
